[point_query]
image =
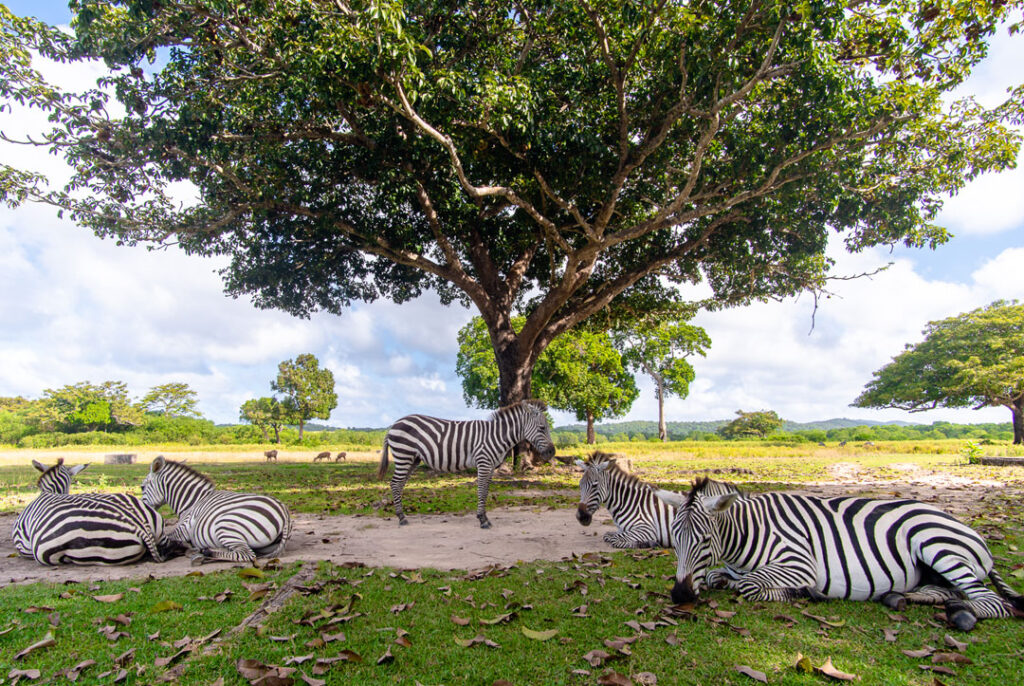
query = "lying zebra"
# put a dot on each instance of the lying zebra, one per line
(643, 521)
(87, 528)
(220, 525)
(779, 546)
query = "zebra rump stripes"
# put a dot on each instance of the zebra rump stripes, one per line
(643, 520)
(447, 445)
(221, 525)
(88, 528)
(779, 546)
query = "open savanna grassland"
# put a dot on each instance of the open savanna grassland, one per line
(573, 621)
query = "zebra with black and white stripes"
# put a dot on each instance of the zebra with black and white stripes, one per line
(220, 525)
(447, 445)
(781, 546)
(87, 528)
(642, 519)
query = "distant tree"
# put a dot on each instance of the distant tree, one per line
(86, 407)
(264, 413)
(973, 359)
(658, 347)
(308, 390)
(13, 403)
(580, 372)
(172, 400)
(749, 424)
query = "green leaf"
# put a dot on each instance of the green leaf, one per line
(251, 573)
(539, 635)
(165, 606)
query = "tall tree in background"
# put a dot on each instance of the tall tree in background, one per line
(581, 372)
(84, 406)
(658, 346)
(531, 157)
(308, 390)
(172, 400)
(751, 424)
(973, 359)
(264, 413)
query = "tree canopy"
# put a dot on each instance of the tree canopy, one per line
(264, 413)
(175, 399)
(751, 424)
(307, 390)
(580, 372)
(546, 159)
(972, 359)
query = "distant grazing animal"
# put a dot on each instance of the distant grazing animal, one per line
(447, 445)
(642, 519)
(221, 525)
(341, 456)
(271, 455)
(87, 528)
(781, 546)
(326, 455)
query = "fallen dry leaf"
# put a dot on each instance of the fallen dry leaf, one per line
(165, 606)
(829, 670)
(45, 642)
(918, 654)
(72, 674)
(108, 598)
(479, 638)
(386, 658)
(953, 643)
(614, 679)
(890, 634)
(596, 657)
(645, 679)
(539, 635)
(955, 658)
(459, 620)
(752, 673)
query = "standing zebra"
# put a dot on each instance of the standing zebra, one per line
(447, 445)
(642, 519)
(88, 528)
(221, 525)
(779, 546)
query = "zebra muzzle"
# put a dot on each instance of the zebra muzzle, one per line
(583, 516)
(683, 592)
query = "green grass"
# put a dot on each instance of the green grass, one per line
(619, 588)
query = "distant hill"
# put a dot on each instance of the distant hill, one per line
(651, 428)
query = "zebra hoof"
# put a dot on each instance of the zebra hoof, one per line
(815, 595)
(403, 521)
(485, 523)
(895, 601)
(960, 617)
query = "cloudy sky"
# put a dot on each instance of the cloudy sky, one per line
(77, 308)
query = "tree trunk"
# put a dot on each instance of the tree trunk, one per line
(1018, 424)
(515, 372)
(660, 391)
(302, 423)
(277, 434)
(264, 430)
(591, 438)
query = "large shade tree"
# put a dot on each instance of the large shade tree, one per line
(307, 390)
(548, 159)
(975, 359)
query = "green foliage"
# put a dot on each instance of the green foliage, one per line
(264, 413)
(580, 372)
(173, 399)
(308, 390)
(554, 159)
(85, 407)
(751, 424)
(973, 359)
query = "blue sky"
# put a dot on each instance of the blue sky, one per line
(77, 308)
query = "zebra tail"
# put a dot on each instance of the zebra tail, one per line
(382, 470)
(1005, 590)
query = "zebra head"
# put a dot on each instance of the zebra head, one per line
(57, 479)
(694, 533)
(590, 489)
(535, 429)
(153, 492)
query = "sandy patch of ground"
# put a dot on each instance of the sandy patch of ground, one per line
(436, 541)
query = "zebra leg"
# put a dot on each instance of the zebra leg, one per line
(779, 582)
(483, 484)
(233, 550)
(403, 467)
(722, 577)
(979, 603)
(637, 537)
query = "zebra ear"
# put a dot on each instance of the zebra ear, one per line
(719, 503)
(77, 468)
(579, 463)
(157, 464)
(671, 497)
(601, 466)
(39, 465)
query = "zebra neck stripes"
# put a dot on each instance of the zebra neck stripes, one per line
(175, 484)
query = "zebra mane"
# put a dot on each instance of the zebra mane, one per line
(508, 409)
(188, 470)
(598, 457)
(705, 486)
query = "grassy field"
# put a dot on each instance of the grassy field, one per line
(575, 621)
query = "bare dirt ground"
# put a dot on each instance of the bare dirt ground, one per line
(524, 533)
